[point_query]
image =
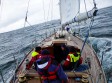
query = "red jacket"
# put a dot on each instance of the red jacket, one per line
(52, 72)
(33, 60)
(67, 62)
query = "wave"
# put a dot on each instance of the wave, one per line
(20, 42)
(103, 47)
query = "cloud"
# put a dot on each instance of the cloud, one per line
(103, 3)
(13, 12)
(99, 4)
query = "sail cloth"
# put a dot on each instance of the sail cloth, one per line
(68, 10)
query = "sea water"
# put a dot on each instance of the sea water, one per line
(19, 42)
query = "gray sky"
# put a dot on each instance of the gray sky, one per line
(12, 12)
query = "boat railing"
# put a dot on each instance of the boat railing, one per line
(37, 40)
(99, 62)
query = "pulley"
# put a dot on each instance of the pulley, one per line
(22, 78)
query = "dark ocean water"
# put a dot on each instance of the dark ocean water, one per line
(18, 43)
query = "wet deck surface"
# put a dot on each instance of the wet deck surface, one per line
(95, 72)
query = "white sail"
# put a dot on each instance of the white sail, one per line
(83, 16)
(68, 10)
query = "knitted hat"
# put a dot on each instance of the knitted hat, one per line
(45, 52)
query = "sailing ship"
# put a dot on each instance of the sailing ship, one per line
(69, 13)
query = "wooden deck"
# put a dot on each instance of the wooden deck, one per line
(95, 72)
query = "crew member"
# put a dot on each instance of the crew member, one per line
(50, 71)
(72, 59)
(35, 55)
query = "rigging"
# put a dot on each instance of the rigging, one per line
(88, 31)
(26, 13)
(86, 8)
(1, 6)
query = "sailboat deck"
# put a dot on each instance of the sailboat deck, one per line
(95, 72)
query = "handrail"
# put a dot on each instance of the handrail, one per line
(18, 66)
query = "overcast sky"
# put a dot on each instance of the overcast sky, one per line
(12, 12)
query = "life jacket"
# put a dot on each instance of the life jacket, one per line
(34, 54)
(74, 58)
(49, 75)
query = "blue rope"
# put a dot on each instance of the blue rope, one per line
(85, 41)
(87, 35)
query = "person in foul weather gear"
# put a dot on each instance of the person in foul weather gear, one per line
(68, 28)
(50, 70)
(35, 55)
(65, 51)
(72, 59)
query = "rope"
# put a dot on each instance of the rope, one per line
(26, 21)
(85, 8)
(44, 13)
(44, 16)
(91, 23)
(78, 11)
(1, 4)
(39, 30)
(48, 10)
(88, 32)
(94, 3)
(26, 13)
(51, 9)
(43, 9)
(33, 27)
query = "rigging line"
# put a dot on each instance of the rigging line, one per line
(26, 13)
(44, 13)
(94, 3)
(78, 10)
(48, 10)
(48, 13)
(79, 7)
(90, 2)
(88, 32)
(43, 9)
(1, 4)
(51, 9)
(85, 8)
(38, 29)
(32, 27)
